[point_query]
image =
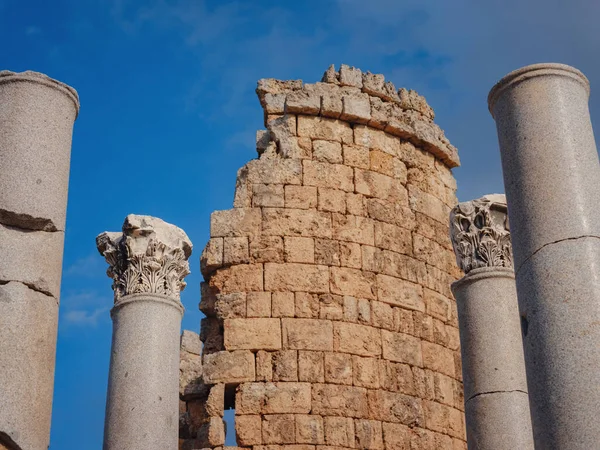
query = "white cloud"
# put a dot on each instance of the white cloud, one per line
(92, 265)
(33, 30)
(85, 318)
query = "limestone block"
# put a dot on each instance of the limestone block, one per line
(258, 304)
(382, 315)
(356, 204)
(339, 431)
(396, 239)
(398, 377)
(237, 366)
(296, 222)
(235, 222)
(373, 184)
(275, 171)
(190, 342)
(235, 250)
(299, 249)
(356, 108)
(365, 372)
(372, 83)
(381, 111)
(311, 366)
(399, 292)
(416, 157)
(266, 249)
(211, 335)
(427, 204)
(264, 366)
(364, 311)
(212, 434)
(331, 307)
(423, 325)
(278, 429)
(433, 253)
(239, 278)
(306, 305)
(440, 334)
(423, 381)
(309, 429)
(332, 200)
(303, 102)
(356, 156)
(331, 106)
(274, 103)
(353, 229)
(427, 180)
(439, 281)
(285, 365)
(33, 258)
(273, 398)
(229, 306)
(27, 361)
(248, 430)
(381, 162)
(283, 304)
(444, 389)
(338, 368)
(252, 334)
(403, 319)
(327, 151)
(296, 277)
(410, 99)
(350, 76)
(396, 407)
(372, 258)
(269, 195)
(345, 281)
(432, 229)
(400, 347)
(325, 128)
(369, 137)
(339, 400)
(438, 358)
(369, 434)
(350, 255)
(437, 305)
(356, 339)
(397, 436)
(393, 211)
(274, 86)
(307, 334)
(444, 419)
(327, 252)
(322, 174)
(212, 256)
(445, 174)
(300, 197)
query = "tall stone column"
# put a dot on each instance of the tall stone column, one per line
(148, 262)
(552, 180)
(496, 401)
(36, 124)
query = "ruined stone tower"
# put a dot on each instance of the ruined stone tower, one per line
(329, 317)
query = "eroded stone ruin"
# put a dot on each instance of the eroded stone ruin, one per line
(329, 317)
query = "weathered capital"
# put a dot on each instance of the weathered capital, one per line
(480, 233)
(149, 256)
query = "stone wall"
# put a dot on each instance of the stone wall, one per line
(329, 317)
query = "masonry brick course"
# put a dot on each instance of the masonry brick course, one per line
(330, 322)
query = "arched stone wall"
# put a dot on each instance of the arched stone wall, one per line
(329, 317)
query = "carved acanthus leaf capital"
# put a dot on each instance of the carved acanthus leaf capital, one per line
(149, 256)
(480, 233)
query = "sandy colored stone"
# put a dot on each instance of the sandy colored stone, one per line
(403, 321)
(323, 174)
(275, 171)
(331, 307)
(350, 76)
(364, 311)
(235, 222)
(296, 222)
(356, 204)
(299, 249)
(339, 431)
(356, 108)
(300, 197)
(307, 334)
(285, 365)
(212, 433)
(264, 366)
(252, 334)
(311, 366)
(356, 156)
(396, 407)
(338, 368)
(350, 308)
(230, 306)
(332, 200)
(306, 305)
(237, 366)
(368, 434)
(444, 419)
(235, 250)
(400, 347)
(373, 138)
(278, 429)
(282, 304)
(302, 102)
(423, 325)
(356, 339)
(324, 128)
(350, 255)
(270, 195)
(382, 315)
(365, 372)
(438, 358)
(428, 205)
(327, 252)
(397, 377)
(353, 229)
(296, 277)
(273, 398)
(327, 151)
(357, 283)
(239, 278)
(392, 211)
(258, 304)
(396, 239)
(399, 292)
(212, 256)
(339, 400)
(309, 429)
(248, 430)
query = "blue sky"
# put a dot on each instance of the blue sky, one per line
(169, 113)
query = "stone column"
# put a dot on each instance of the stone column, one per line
(148, 262)
(36, 124)
(552, 180)
(496, 401)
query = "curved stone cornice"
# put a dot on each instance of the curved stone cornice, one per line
(480, 233)
(149, 256)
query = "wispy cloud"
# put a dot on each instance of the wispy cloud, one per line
(33, 30)
(85, 318)
(85, 308)
(90, 266)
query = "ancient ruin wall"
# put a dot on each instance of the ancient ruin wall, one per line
(330, 322)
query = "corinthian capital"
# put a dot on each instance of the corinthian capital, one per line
(149, 256)
(480, 233)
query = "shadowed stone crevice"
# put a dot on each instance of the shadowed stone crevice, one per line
(575, 238)
(31, 286)
(26, 222)
(507, 391)
(6, 443)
